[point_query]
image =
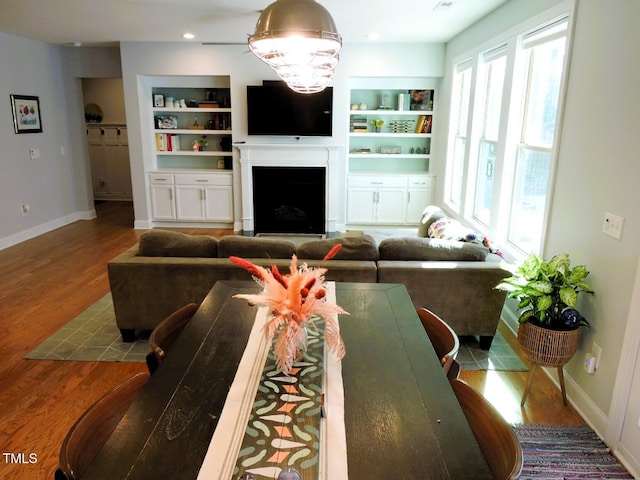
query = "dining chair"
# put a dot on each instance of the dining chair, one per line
(498, 442)
(165, 333)
(454, 370)
(89, 433)
(444, 340)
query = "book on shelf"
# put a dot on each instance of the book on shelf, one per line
(167, 142)
(423, 124)
(359, 124)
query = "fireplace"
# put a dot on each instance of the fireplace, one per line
(300, 157)
(289, 199)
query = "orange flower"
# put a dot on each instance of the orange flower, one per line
(294, 301)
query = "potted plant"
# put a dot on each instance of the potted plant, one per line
(549, 323)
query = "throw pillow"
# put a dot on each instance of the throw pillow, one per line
(361, 247)
(251, 247)
(429, 215)
(166, 243)
(449, 229)
(430, 249)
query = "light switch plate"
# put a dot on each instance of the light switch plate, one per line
(613, 225)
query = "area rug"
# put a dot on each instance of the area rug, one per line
(93, 336)
(566, 452)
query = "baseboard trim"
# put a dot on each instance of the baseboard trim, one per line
(43, 228)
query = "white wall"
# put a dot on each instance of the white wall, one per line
(47, 184)
(141, 60)
(598, 171)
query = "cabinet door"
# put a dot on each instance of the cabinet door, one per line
(190, 202)
(119, 170)
(162, 202)
(219, 203)
(390, 207)
(99, 161)
(417, 200)
(361, 204)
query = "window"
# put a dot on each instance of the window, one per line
(458, 146)
(493, 78)
(504, 115)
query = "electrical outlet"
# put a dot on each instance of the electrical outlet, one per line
(25, 208)
(590, 363)
(613, 225)
(597, 352)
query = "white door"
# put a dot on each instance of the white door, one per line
(189, 202)
(219, 203)
(417, 200)
(162, 202)
(361, 205)
(390, 205)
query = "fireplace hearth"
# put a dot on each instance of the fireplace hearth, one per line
(289, 199)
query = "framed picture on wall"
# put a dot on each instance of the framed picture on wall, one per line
(26, 114)
(158, 100)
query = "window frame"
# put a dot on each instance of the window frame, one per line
(513, 44)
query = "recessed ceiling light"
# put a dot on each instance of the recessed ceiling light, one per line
(373, 36)
(188, 36)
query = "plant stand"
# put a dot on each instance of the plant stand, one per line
(547, 348)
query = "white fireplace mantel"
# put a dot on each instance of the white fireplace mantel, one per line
(288, 155)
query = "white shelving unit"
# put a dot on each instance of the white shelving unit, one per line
(187, 185)
(388, 166)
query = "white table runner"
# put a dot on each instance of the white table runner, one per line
(222, 454)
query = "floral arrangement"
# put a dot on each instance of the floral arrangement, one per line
(295, 300)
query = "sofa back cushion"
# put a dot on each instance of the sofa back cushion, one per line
(430, 249)
(166, 243)
(361, 247)
(251, 247)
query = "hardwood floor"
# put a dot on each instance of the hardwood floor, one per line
(48, 280)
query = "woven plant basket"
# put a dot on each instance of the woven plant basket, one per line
(546, 347)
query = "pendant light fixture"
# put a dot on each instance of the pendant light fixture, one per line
(299, 40)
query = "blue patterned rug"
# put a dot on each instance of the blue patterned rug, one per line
(566, 452)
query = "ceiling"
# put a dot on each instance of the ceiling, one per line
(107, 22)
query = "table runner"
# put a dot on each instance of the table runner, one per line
(226, 442)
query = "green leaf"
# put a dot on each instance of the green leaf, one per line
(526, 315)
(543, 303)
(541, 287)
(584, 286)
(577, 274)
(559, 263)
(569, 296)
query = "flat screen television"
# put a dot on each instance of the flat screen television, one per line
(275, 109)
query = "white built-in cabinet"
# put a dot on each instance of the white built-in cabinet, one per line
(388, 200)
(189, 184)
(390, 128)
(192, 196)
(109, 159)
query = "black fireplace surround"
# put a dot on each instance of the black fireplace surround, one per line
(289, 199)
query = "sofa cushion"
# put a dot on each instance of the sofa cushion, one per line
(429, 249)
(251, 247)
(429, 215)
(165, 243)
(361, 247)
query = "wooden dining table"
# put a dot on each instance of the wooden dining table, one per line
(401, 417)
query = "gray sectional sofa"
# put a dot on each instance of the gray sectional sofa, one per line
(167, 270)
